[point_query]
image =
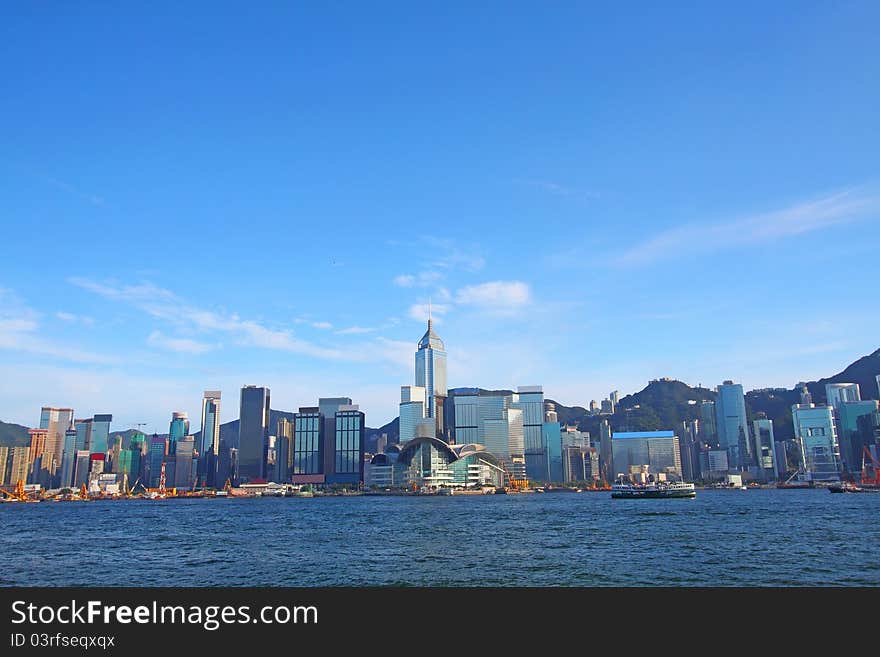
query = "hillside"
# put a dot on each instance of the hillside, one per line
(662, 404)
(13, 435)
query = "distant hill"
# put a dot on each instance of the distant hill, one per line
(662, 404)
(13, 435)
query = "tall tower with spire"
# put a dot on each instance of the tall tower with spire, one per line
(431, 374)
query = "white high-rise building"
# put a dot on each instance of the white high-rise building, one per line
(838, 393)
(816, 436)
(412, 414)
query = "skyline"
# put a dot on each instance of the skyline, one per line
(275, 198)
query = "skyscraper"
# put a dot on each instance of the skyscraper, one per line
(765, 449)
(100, 434)
(817, 440)
(209, 440)
(55, 421)
(708, 425)
(855, 430)
(19, 458)
(837, 393)
(606, 453)
(412, 411)
(35, 468)
(253, 432)
(431, 375)
(177, 430)
(68, 459)
(732, 425)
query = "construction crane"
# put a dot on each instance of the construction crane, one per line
(867, 457)
(162, 480)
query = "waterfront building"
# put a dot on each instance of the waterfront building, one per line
(658, 450)
(208, 445)
(155, 458)
(412, 412)
(253, 433)
(36, 469)
(607, 407)
(431, 375)
(4, 464)
(308, 446)
(606, 453)
(536, 452)
(708, 425)
(55, 421)
(552, 446)
(855, 430)
(283, 452)
(100, 433)
(594, 407)
(781, 459)
(690, 450)
(81, 469)
(19, 462)
(580, 464)
(717, 464)
(838, 393)
(183, 463)
(178, 428)
(732, 425)
(430, 463)
(817, 439)
(68, 458)
(614, 397)
(765, 449)
(83, 428)
(328, 443)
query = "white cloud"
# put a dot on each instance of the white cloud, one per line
(72, 319)
(421, 311)
(355, 330)
(322, 325)
(495, 296)
(19, 325)
(181, 345)
(837, 209)
(422, 279)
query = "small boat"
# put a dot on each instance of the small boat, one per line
(849, 487)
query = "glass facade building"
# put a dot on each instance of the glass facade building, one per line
(765, 449)
(68, 460)
(155, 459)
(177, 430)
(349, 447)
(732, 424)
(208, 446)
(253, 433)
(431, 375)
(839, 393)
(817, 440)
(856, 431)
(412, 412)
(308, 443)
(100, 434)
(55, 421)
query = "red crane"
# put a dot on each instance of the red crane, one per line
(866, 458)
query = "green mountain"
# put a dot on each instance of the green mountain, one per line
(13, 435)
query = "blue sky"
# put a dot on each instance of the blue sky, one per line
(217, 194)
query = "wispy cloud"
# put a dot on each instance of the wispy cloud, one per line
(94, 199)
(355, 330)
(19, 326)
(314, 324)
(500, 297)
(421, 311)
(180, 345)
(557, 189)
(847, 206)
(74, 319)
(166, 306)
(422, 279)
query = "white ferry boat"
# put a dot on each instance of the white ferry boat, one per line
(626, 490)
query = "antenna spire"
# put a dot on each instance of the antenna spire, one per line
(429, 312)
